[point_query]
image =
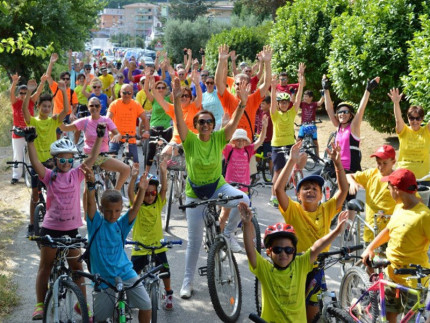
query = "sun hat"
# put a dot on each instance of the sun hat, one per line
(240, 134)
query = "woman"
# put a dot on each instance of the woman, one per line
(211, 102)
(89, 125)
(414, 139)
(203, 153)
(97, 92)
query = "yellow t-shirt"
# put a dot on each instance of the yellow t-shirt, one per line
(283, 128)
(283, 291)
(116, 89)
(148, 227)
(409, 240)
(414, 150)
(106, 83)
(378, 198)
(309, 226)
(141, 98)
(46, 135)
(82, 99)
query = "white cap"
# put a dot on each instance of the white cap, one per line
(243, 64)
(142, 78)
(240, 134)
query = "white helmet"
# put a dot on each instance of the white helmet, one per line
(63, 146)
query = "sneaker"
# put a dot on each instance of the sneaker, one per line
(77, 309)
(38, 312)
(186, 291)
(13, 181)
(234, 245)
(30, 230)
(274, 202)
(168, 302)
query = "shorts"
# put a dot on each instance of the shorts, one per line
(66, 121)
(403, 303)
(139, 262)
(314, 281)
(132, 148)
(57, 234)
(104, 300)
(309, 129)
(101, 159)
(278, 157)
(266, 148)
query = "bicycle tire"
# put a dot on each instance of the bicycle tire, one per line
(169, 205)
(297, 177)
(228, 309)
(355, 282)
(265, 170)
(257, 296)
(38, 215)
(339, 315)
(145, 148)
(348, 237)
(68, 295)
(153, 295)
(257, 241)
(330, 140)
(26, 174)
(99, 189)
(308, 144)
(124, 187)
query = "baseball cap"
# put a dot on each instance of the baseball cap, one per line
(142, 78)
(311, 178)
(403, 179)
(103, 69)
(243, 64)
(385, 152)
(240, 134)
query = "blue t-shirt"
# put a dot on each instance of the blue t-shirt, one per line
(107, 254)
(193, 88)
(212, 103)
(103, 100)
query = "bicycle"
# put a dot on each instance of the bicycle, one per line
(308, 142)
(104, 180)
(159, 142)
(152, 285)
(222, 272)
(263, 166)
(331, 140)
(297, 174)
(25, 174)
(122, 311)
(63, 294)
(364, 296)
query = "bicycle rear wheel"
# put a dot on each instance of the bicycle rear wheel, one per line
(39, 214)
(350, 237)
(224, 283)
(257, 295)
(69, 295)
(170, 202)
(257, 241)
(338, 315)
(265, 170)
(330, 140)
(154, 296)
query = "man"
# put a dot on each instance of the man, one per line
(129, 72)
(107, 81)
(283, 85)
(203, 76)
(246, 69)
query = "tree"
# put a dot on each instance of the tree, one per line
(261, 8)
(187, 9)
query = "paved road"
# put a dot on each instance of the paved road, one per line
(196, 309)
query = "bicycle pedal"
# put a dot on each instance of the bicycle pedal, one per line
(203, 271)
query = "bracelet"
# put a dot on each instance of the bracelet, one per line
(91, 186)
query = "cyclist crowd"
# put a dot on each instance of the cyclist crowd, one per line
(213, 116)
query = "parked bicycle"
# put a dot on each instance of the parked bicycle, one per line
(222, 272)
(309, 129)
(152, 284)
(63, 294)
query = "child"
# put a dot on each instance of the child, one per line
(63, 214)
(310, 218)
(236, 156)
(309, 109)
(107, 255)
(283, 280)
(264, 110)
(148, 228)
(408, 237)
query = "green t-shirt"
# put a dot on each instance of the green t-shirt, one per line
(82, 99)
(46, 134)
(203, 159)
(148, 227)
(283, 128)
(159, 116)
(283, 291)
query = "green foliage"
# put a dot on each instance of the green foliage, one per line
(261, 8)
(372, 40)
(246, 41)
(124, 40)
(302, 33)
(187, 9)
(417, 82)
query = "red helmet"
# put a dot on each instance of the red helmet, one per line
(279, 230)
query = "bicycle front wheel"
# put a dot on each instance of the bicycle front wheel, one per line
(257, 241)
(39, 214)
(257, 295)
(27, 175)
(338, 315)
(69, 296)
(224, 284)
(348, 238)
(265, 170)
(154, 295)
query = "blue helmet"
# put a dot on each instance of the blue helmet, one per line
(153, 180)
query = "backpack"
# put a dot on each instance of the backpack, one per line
(225, 161)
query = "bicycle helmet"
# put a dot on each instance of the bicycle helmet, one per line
(279, 230)
(283, 97)
(63, 146)
(153, 180)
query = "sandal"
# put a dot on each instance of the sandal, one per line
(38, 312)
(77, 309)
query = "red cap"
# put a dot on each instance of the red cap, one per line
(385, 152)
(403, 179)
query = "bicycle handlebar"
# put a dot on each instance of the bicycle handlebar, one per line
(164, 243)
(255, 318)
(237, 184)
(417, 270)
(56, 241)
(222, 199)
(308, 123)
(342, 251)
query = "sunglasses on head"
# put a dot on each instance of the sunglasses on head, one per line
(343, 112)
(127, 93)
(203, 121)
(288, 250)
(94, 105)
(415, 118)
(161, 88)
(151, 193)
(64, 160)
(66, 78)
(185, 96)
(210, 83)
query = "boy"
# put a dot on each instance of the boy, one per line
(309, 109)
(378, 197)
(310, 218)
(107, 255)
(148, 228)
(408, 237)
(283, 282)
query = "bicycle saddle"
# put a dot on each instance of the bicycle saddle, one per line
(355, 205)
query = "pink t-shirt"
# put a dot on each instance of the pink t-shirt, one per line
(238, 164)
(63, 209)
(308, 111)
(89, 126)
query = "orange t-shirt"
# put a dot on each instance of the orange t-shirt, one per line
(124, 116)
(230, 82)
(230, 103)
(58, 98)
(189, 112)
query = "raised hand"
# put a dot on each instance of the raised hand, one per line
(341, 220)
(301, 70)
(43, 78)
(88, 172)
(243, 91)
(54, 58)
(31, 85)
(147, 72)
(195, 77)
(223, 52)
(295, 152)
(30, 134)
(135, 170)
(101, 129)
(373, 84)
(245, 212)
(189, 52)
(163, 165)
(144, 182)
(274, 82)
(62, 85)
(325, 83)
(334, 153)
(176, 88)
(266, 54)
(233, 55)
(15, 78)
(395, 96)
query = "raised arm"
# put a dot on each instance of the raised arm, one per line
(148, 79)
(273, 102)
(248, 233)
(31, 86)
(356, 122)
(158, 97)
(234, 57)
(221, 69)
(396, 98)
(180, 122)
(15, 79)
(266, 56)
(260, 66)
(203, 67)
(95, 151)
(163, 179)
(66, 107)
(90, 199)
(133, 178)
(84, 87)
(195, 77)
(302, 81)
(243, 93)
(36, 94)
(342, 182)
(30, 135)
(189, 61)
(54, 58)
(328, 102)
(325, 241)
(262, 136)
(143, 185)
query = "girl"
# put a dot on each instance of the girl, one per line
(96, 86)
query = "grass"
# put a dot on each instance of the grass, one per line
(8, 295)
(5, 119)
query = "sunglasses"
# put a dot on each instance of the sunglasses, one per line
(288, 250)
(203, 75)
(209, 83)
(415, 118)
(96, 87)
(203, 121)
(127, 93)
(161, 88)
(66, 78)
(343, 112)
(88, 69)
(22, 93)
(151, 193)
(94, 105)
(181, 74)
(64, 160)
(185, 96)
(283, 79)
